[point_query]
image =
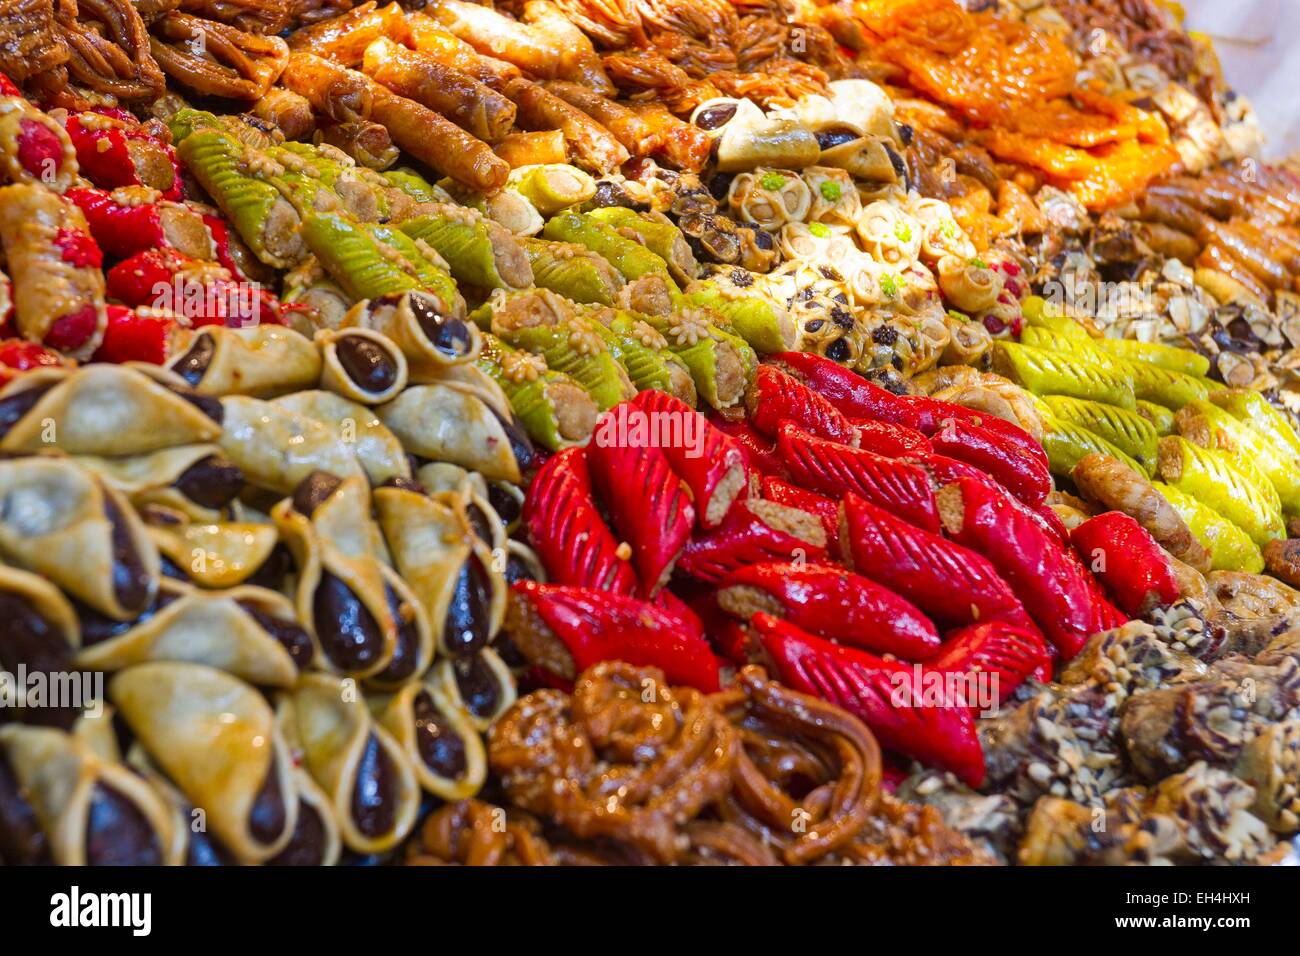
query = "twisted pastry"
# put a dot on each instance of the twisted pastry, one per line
(625, 758)
(474, 833)
(217, 59)
(108, 48)
(29, 40)
(267, 17)
(790, 739)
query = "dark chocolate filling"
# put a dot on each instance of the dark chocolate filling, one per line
(28, 639)
(479, 523)
(373, 805)
(406, 650)
(367, 363)
(131, 581)
(97, 628)
(520, 445)
(314, 490)
(193, 365)
(203, 849)
(274, 569)
(16, 406)
(22, 841)
(117, 832)
(504, 504)
(517, 569)
(450, 336)
(307, 845)
(465, 628)
(716, 116)
(830, 138)
(268, 816)
(479, 689)
(211, 482)
(440, 748)
(290, 636)
(348, 632)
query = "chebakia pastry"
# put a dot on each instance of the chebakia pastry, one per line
(423, 418)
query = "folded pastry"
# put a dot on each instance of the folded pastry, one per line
(341, 593)
(220, 554)
(247, 631)
(65, 804)
(62, 523)
(443, 481)
(428, 336)
(366, 775)
(99, 410)
(441, 743)
(262, 361)
(449, 568)
(361, 365)
(358, 427)
(449, 422)
(193, 480)
(216, 738)
(41, 633)
(479, 685)
(276, 447)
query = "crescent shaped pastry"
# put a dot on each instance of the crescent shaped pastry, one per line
(439, 477)
(215, 737)
(190, 836)
(445, 423)
(248, 631)
(62, 523)
(316, 840)
(262, 361)
(196, 480)
(100, 410)
(362, 365)
(414, 646)
(448, 568)
(442, 744)
(341, 593)
(478, 684)
(79, 809)
(376, 448)
(276, 448)
(366, 775)
(213, 555)
(416, 323)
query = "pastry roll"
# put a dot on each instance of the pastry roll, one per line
(216, 739)
(100, 410)
(657, 233)
(532, 149)
(323, 301)
(361, 365)
(367, 143)
(551, 187)
(247, 631)
(590, 145)
(441, 744)
(335, 92)
(68, 806)
(870, 159)
(451, 422)
(449, 568)
(33, 147)
(769, 198)
(969, 284)
(473, 106)
(341, 594)
(478, 684)
(356, 426)
(574, 271)
(262, 361)
(54, 264)
(61, 522)
(889, 234)
(219, 554)
(365, 773)
(418, 323)
(748, 141)
(552, 406)
(638, 136)
(477, 250)
(194, 480)
(289, 111)
(41, 634)
(276, 447)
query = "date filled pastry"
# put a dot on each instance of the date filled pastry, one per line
(341, 593)
(263, 361)
(361, 365)
(451, 571)
(41, 633)
(366, 775)
(356, 426)
(438, 739)
(456, 423)
(58, 286)
(246, 631)
(889, 234)
(479, 684)
(61, 522)
(107, 410)
(428, 335)
(61, 803)
(751, 139)
(210, 554)
(216, 739)
(969, 284)
(447, 482)
(196, 481)
(277, 447)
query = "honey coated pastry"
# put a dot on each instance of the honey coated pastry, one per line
(226, 61)
(474, 833)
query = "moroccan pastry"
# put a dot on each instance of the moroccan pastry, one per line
(429, 336)
(445, 750)
(210, 554)
(355, 426)
(361, 365)
(277, 447)
(42, 634)
(239, 771)
(261, 362)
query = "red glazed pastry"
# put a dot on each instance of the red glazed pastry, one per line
(1025, 477)
(713, 468)
(129, 220)
(755, 532)
(113, 151)
(948, 582)
(565, 630)
(944, 471)
(19, 355)
(832, 603)
(1130, 564)
(775, 398)
(892, 441)
(836, 470)
(1011, 653)
(130, 337)
(792, 496)
(199, 291)
(759, 450)
(650, 508)
(1054, 588)
(567, 531)
(905, 705)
